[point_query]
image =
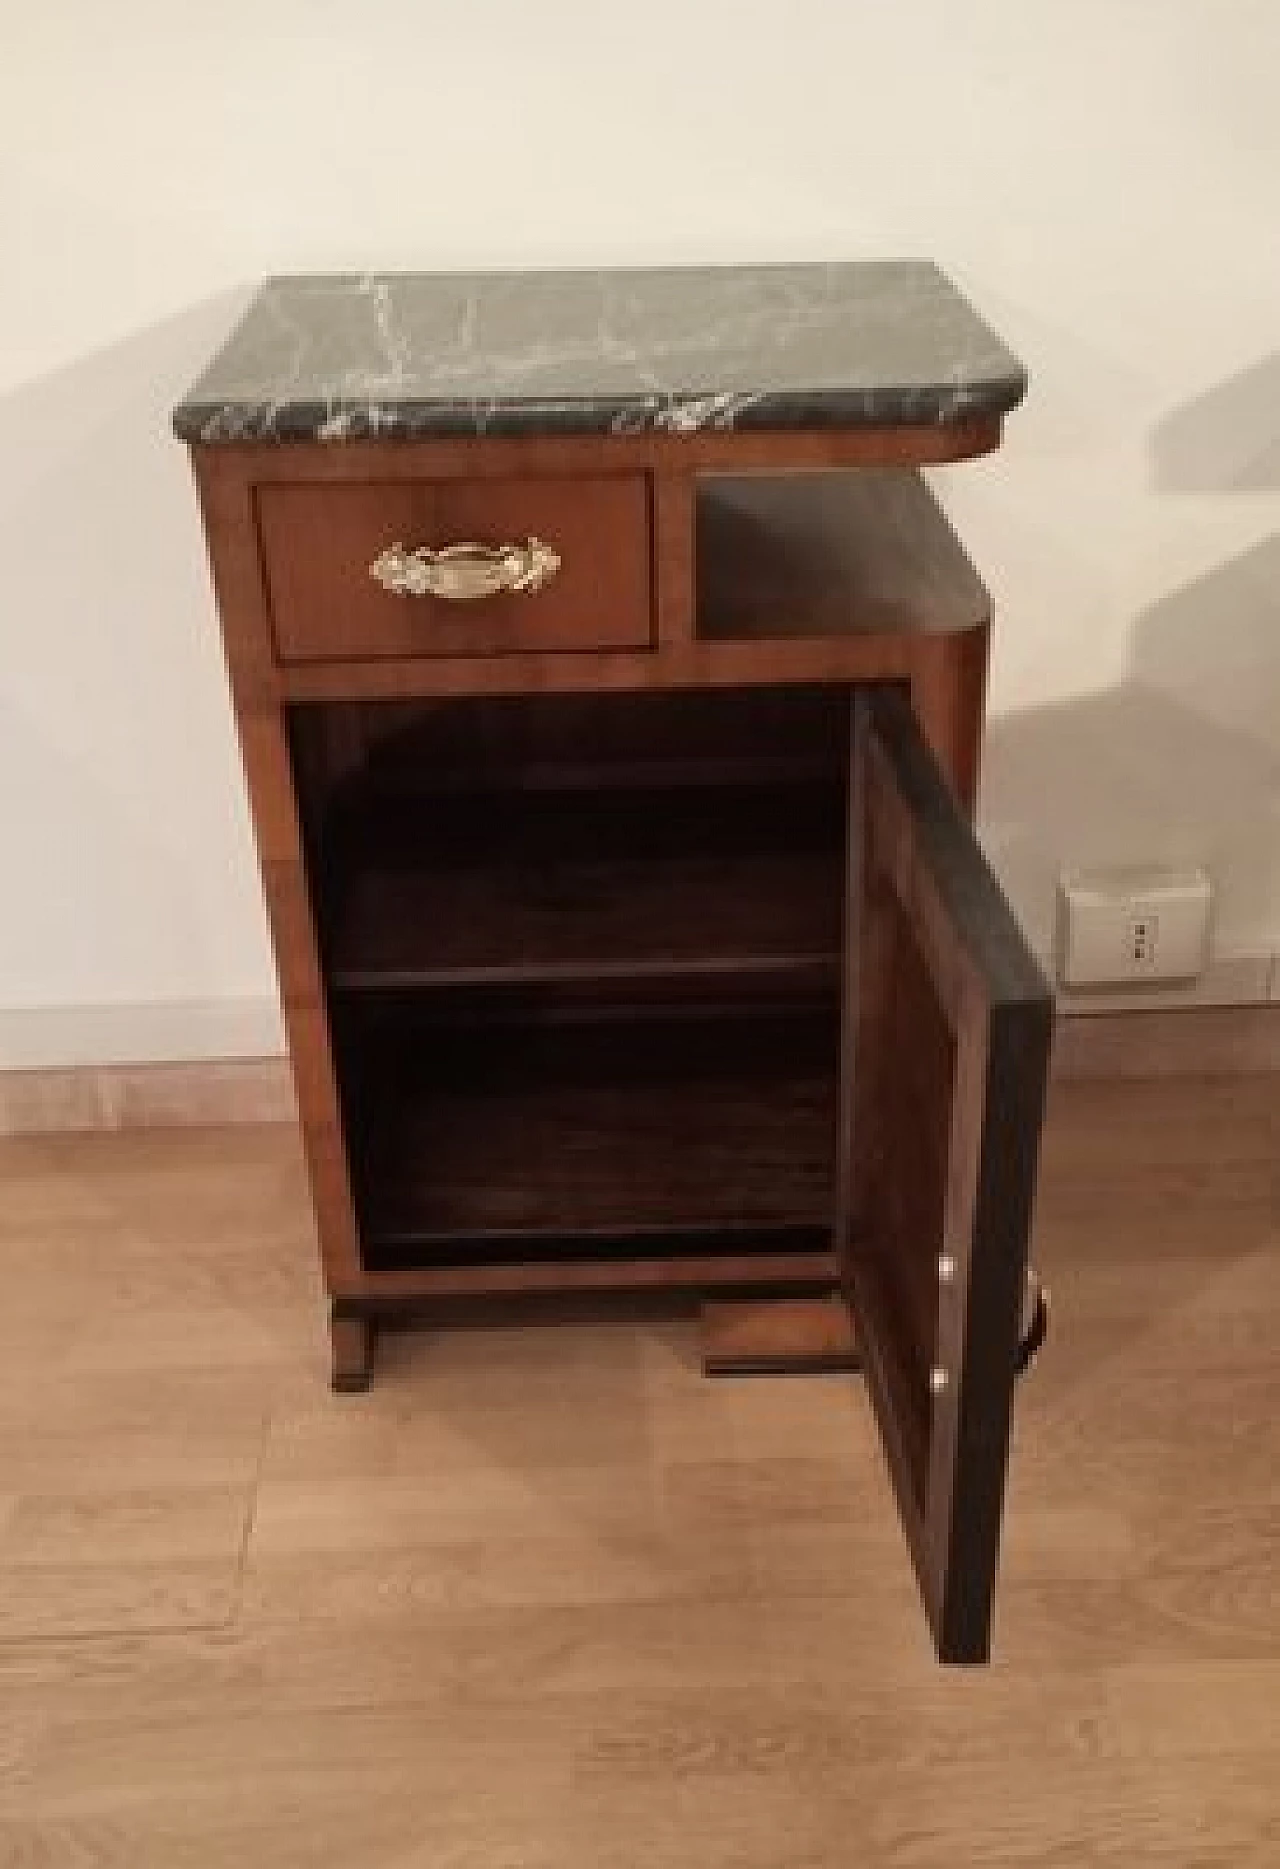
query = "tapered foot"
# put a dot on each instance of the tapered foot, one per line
(777, 1337)
(352, 1337)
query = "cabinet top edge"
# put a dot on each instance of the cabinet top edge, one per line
(674, 351)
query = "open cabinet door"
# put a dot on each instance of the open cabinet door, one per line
(948, 1021)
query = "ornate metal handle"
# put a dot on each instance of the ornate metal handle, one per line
(463, 573)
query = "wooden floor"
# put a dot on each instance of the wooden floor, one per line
(548, 1600)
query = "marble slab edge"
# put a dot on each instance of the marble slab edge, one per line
(700, 413)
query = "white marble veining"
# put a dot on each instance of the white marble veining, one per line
(348, 357)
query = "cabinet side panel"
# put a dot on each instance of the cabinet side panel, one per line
(227, 506)
(948, 696)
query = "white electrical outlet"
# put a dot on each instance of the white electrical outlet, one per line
(1124, 927)
(1143, 940)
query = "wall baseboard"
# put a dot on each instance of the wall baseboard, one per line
(1228, 980)
(185, 1094)
(1217, 1041)
(194, 1031)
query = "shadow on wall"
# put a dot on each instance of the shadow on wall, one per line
(1180, 763)
(1181, 760)
(1225, 441)
(124, 834)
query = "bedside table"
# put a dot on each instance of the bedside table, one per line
(610, 691)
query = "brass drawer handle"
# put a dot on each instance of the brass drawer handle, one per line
(465, 572)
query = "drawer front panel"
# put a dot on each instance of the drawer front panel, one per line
(319, 545)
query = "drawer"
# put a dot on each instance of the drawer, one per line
(320, 544)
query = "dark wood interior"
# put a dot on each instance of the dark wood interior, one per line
(483, 1142)
(550, 886)
(583, 971)
(902, 1124)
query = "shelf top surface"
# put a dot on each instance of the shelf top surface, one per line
(681, 350)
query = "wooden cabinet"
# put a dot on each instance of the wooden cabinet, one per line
(631, 928)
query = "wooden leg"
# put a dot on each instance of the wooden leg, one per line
(351, 1334)
(777, 1337)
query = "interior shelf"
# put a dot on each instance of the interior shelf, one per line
(699, 1134)
(841, 554)
(582, 959)
(550, 886)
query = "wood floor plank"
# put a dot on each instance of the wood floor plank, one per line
(547, 1599)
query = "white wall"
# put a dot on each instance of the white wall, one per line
(1103, 176)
